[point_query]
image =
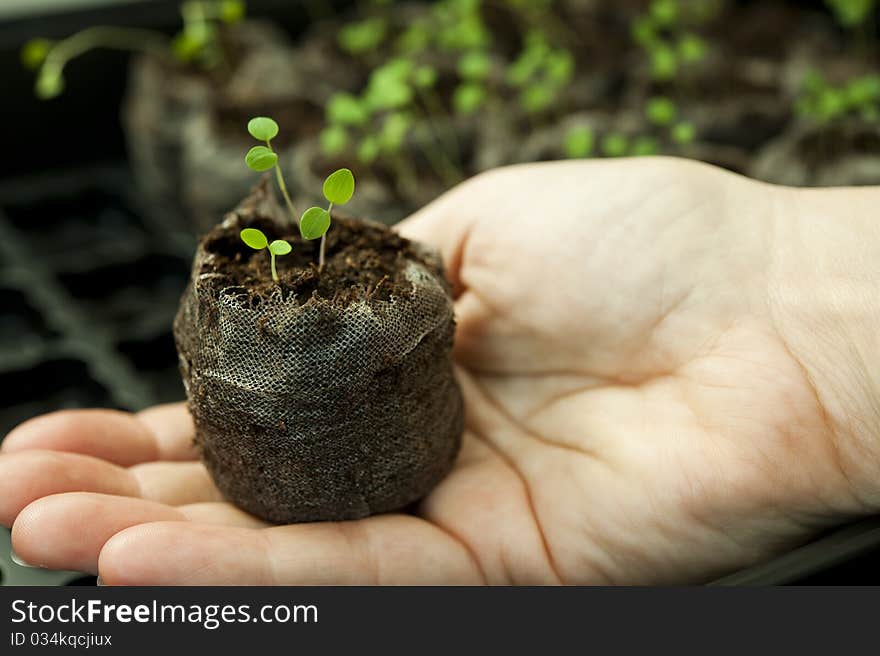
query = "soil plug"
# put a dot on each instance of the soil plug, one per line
(319, 397)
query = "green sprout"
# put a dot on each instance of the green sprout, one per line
(198, 42)
(258, 241)
(666, 34)
(362, 37)
(824, 102)
(540, 72)
(661, 111)
(645, 146)
(378, 122)
(579, 142)
(315, 221)
(684, 133)
(615, 144)
(851, 13)
(263, 158)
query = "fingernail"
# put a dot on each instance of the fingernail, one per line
(18, 560)
(99, 581)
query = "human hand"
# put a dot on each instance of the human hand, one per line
(648, 390)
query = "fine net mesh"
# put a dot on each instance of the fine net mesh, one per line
(313, 409)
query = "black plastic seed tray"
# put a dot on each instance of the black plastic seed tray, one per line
(89, 283)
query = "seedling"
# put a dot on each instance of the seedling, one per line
(380, 120)
(851, 13)
(667, 131)
(615, 144)
(196, 43)
(579, 142)
(540, 73)
(258, 241)
(362, 37)
(663, 113)
(822, 102)
(315, 221)
(264, 158)
(666, 34)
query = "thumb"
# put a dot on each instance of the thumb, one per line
(445, 224)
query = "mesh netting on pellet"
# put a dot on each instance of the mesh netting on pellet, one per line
(306, 409)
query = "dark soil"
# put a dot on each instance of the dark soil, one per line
(363, 260)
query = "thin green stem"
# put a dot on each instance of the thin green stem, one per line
(116, 38)
(274, 272)
(323, 243)
(283, 187)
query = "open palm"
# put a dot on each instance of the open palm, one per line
(633, 413)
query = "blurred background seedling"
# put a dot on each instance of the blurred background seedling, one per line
(198, 43)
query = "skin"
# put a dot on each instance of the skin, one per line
(668, 376)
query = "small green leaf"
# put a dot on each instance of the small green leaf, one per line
(232, 11)
(394, 131)
(339, 187)
(415, 39)
(261, 158)
(692, 48)
(388, 86)
(425, 77)
(362, 36)
(474, 65)
(615, 145)
(333, 139)
(34, 53)
(664, 63)
(684, 133)
(643, 31)
(665, 12)
(645, 146)
(345, 109)
(537, 97)
(314, 223)
(579, 142)
(254, 238)
(263, 128)
(660, 111)
(468, 97)
(280, 247)
(369, 148)
(185, 47)
(850, 13)
(560, 66)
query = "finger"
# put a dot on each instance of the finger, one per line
(26, 476)
(107, 434)
(222, 513)
(68, 531)
(175, 483)
(387, 549)
(162, 433)
(172, 427)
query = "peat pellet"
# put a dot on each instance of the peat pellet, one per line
(329, 395)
